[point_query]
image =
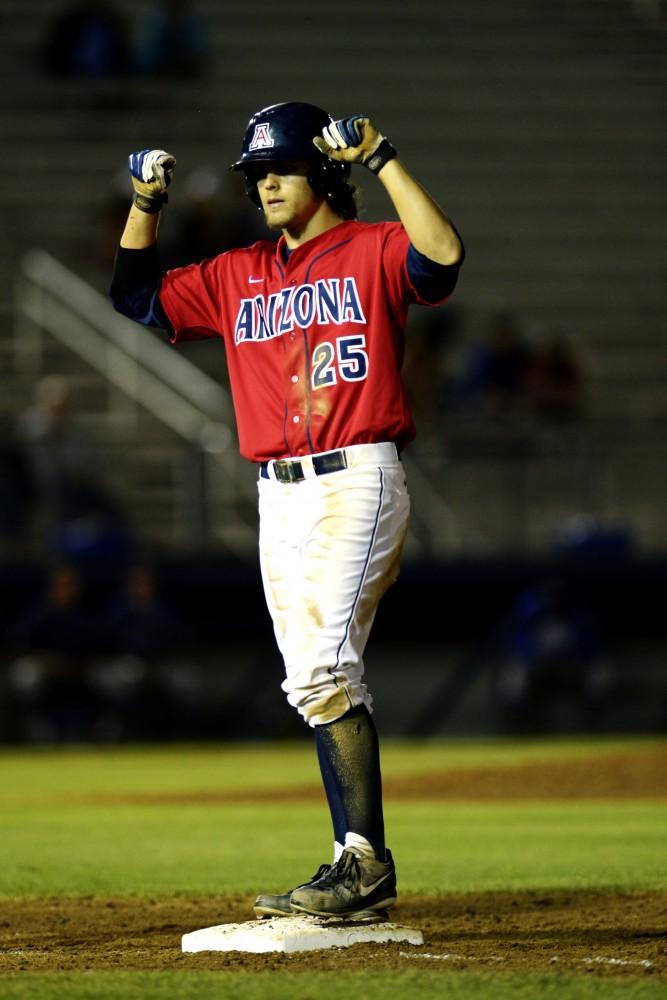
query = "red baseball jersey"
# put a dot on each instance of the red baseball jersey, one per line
(314, 342)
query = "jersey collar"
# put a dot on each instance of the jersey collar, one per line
(315, 245)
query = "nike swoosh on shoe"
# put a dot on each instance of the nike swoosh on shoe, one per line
(366, 890)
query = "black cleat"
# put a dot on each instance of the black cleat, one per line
(267, 905)
(355, 887)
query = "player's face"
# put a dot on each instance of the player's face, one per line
(287, 198)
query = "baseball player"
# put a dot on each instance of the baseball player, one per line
(313, 328)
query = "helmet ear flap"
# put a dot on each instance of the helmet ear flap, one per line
(252, 191)
(326, 175)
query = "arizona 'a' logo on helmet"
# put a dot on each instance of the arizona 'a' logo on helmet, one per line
(262, 138)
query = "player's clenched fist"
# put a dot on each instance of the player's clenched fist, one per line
(151, 171)
(355, 140)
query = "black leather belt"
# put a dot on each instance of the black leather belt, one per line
(290, 470)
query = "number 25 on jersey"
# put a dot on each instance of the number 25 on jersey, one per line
(345, 357)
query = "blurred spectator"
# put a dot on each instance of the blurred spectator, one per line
(584, 536)
(172, 41)
(89, 38)
(551, 649)
(76, 513)
(554, 378)
(53, 638)
(140, 621)
(427, 347)
(493, 380)
(146, 688)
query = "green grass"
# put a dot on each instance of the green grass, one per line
(439, 847)
(66, 834)
(408, 985)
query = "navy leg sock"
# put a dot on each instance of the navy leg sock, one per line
(349, 755)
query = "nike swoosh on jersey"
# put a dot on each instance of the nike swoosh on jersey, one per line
(255, 281)
(366, 890)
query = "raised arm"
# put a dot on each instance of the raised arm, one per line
(357, 140)
(136, 277)
(150, 170)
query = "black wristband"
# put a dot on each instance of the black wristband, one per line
(149, 205)
(383, 154)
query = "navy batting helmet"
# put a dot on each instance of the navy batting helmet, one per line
(285, 132)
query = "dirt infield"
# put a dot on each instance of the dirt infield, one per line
(606, 934)
(600, 933)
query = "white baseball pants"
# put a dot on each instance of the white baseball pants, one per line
(330, 547)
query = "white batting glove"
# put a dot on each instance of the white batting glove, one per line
(345, 132)
(151, 172)
(356, 140)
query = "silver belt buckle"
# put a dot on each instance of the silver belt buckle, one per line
(288, 471)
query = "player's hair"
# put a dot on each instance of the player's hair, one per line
(344, 200)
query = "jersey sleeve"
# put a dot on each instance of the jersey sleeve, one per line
(394, 249)
(412, 277)
(135, 286)
(432, 282)
(191, 299)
